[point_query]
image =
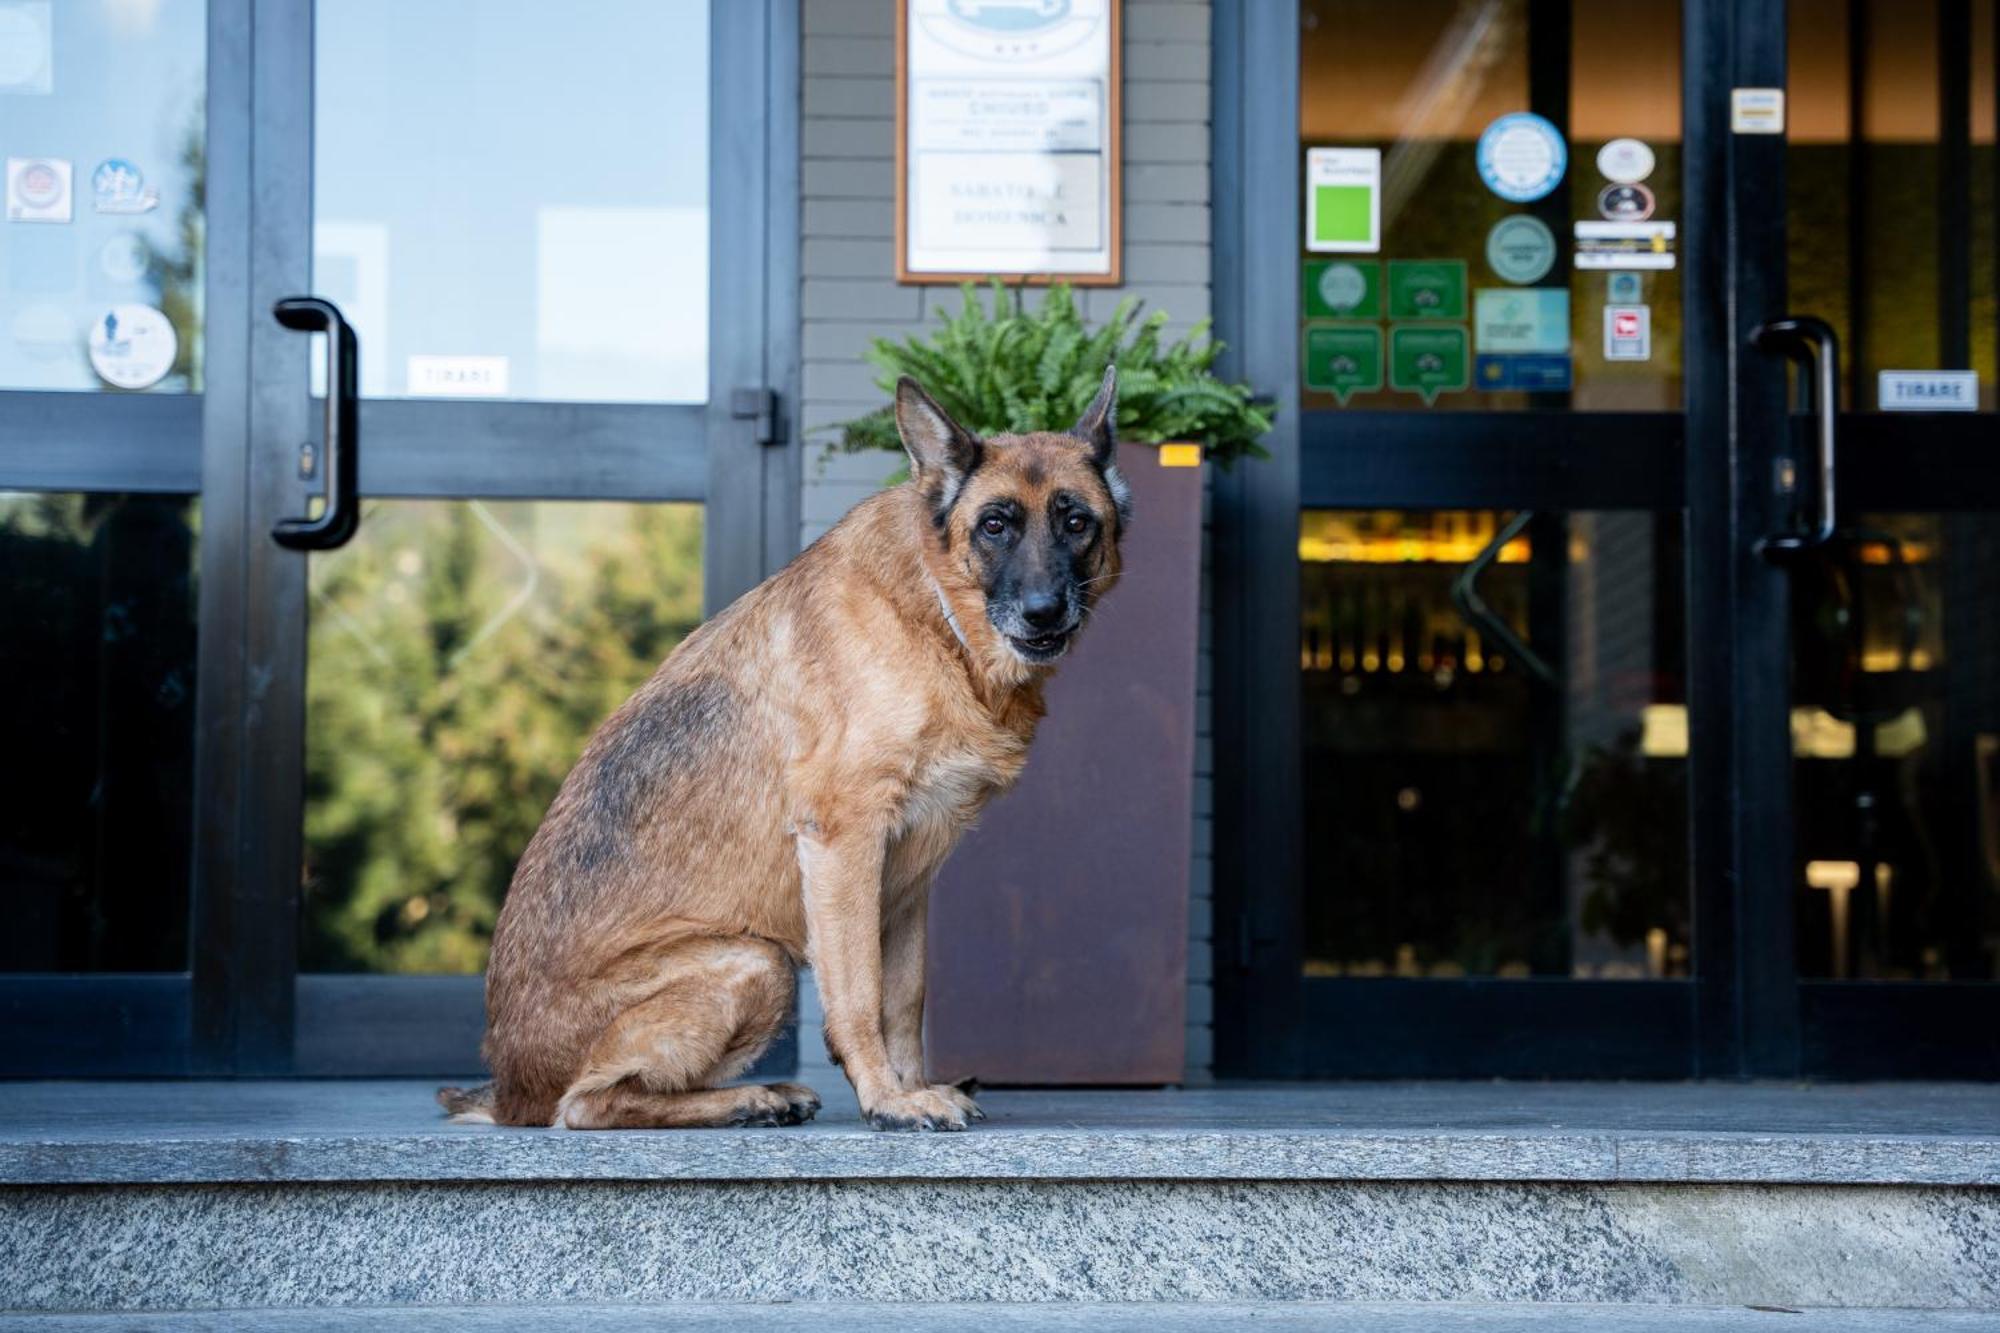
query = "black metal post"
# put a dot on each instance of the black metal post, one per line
(1860, 171)
(1738, 605)
(1258, 806)
(1954, 184)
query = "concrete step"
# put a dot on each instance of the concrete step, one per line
(353, 1195)
(988, 1317)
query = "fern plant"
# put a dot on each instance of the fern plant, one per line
(1010, 369)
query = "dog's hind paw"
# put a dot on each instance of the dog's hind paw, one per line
(772, 1104)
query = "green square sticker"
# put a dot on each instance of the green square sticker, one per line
(1343, 215)
(1343, 289)
(1343, 359)
(1427, 289)
(1429, 359)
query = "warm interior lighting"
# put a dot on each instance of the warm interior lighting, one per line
(1401, 537)
(1839, 879)
(1816, 733)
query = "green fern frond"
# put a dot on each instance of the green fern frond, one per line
(1005, 367)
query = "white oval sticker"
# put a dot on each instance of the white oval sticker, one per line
(133, 346)
(1625, 161)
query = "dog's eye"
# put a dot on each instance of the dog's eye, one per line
(993, 525)
(1077, 523)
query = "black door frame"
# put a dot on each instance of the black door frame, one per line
(1744, 1013)
(243, 1007)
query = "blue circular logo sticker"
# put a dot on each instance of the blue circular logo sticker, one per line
(1522, 157)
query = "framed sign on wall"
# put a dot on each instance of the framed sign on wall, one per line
(1007, 119)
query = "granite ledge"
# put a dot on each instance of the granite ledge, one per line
(1932, 1135)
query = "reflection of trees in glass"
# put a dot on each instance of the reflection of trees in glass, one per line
(178, 272)
(461, 655)
(174, 270)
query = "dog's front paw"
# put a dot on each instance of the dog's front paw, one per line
(938, 1107)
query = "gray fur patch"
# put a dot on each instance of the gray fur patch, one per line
(1121, 493)
(663, 739)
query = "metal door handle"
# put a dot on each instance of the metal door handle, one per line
(1809, 340)
(336, 523)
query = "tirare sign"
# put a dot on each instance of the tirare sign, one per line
(1927, 390)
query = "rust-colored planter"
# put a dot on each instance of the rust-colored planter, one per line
(1058, 932)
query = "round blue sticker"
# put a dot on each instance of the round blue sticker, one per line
(1522, 157)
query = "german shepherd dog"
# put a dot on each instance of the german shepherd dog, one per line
(783, 789)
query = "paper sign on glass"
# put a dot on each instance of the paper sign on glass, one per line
(1344, 200)
(456, 377)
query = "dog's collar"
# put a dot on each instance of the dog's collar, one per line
(950, 616)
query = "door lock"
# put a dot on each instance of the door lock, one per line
(756, 404)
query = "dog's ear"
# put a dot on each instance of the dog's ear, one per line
(942, 452)
(1098, 426)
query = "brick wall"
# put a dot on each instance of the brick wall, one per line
(849, 292)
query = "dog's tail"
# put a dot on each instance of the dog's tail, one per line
(468, 1106)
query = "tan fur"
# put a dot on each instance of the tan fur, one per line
(782, 790)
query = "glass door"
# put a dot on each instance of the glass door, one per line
(1492, 876)
(1606, 675)
(554, 275)
(309, 627)
(1889, 180)
(104, 123)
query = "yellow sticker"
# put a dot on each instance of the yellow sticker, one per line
(1180, 455)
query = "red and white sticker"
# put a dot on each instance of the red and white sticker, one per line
(38, 189)
(1628, 333)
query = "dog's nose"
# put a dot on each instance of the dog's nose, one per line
(1042, 610)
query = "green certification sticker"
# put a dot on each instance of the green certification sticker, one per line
(1343, 359)
(1427, 289)
(1343, 289)
(1429, 359)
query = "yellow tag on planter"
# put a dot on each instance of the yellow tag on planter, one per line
(1180, 455)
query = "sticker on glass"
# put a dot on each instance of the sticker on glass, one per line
(1625, 203)
(133, 346)
(124, 258)
(119, 187)
(1343, 289)
(1522, 157)
(1639, 245)
(1427, 289)
(1625, 161)
(1623, 288)
(1927, 390)
(1521, 249)
(44, 331)
(1344, 200)
(1343, 359)
(1524, 372)
(27, 47)
(1628, 333)
(1757, 110)
(1429, 359)
(38, 189)
(1521, 319)
(456, 376)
